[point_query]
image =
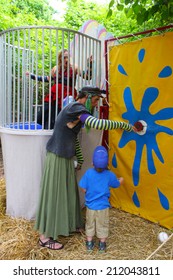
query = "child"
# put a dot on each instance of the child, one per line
(96, 183)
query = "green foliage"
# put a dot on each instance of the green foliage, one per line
(38, 8)
(15, 13)
(78, 12)
(160, 12)
(118, 17)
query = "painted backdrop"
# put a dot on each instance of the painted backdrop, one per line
(141, 88)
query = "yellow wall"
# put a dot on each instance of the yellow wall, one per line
(141, 88)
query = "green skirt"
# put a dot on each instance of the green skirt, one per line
(59, 211)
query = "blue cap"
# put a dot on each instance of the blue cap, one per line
(100, 157)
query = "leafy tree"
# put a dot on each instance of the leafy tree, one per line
(40, 8)
(158, 12)
(15, 13)
(77, 12)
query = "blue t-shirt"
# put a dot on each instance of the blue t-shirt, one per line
(97, 186)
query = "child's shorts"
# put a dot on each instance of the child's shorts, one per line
(97, 222)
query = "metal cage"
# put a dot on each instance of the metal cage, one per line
(34, 50)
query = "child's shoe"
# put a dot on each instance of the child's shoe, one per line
(102, 247)
(90, 245)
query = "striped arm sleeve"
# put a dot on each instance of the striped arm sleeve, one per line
(102, 124)
(40, 78)
(79, 155)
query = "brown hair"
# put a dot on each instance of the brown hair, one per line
(81, 95)
(60, 55)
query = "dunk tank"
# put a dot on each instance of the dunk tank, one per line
(34, 50)
(136, 72)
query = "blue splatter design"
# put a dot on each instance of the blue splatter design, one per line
(132, 115)
(114, 161)
(163, 200)
(141, 55)
(149, 139)
(136, 200)
(121, 70)
(166, 72)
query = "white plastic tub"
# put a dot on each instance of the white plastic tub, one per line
(23, 158)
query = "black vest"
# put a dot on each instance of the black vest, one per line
(62, 142)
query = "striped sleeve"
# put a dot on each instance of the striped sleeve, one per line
(102, 124)
(79, 155)
(40, 78)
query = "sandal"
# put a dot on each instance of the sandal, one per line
(50, 244)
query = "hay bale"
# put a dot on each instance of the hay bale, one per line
(2, 196)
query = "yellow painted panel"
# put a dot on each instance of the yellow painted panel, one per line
(141, 88)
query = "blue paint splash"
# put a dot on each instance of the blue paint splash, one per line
(163, 200)
(141, 55)
(166, 72)
(114, 161)
(121, 70)
(148, 140)
(136, 200)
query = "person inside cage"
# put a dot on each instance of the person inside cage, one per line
(59, 211)
(64, 77)
(96, 184)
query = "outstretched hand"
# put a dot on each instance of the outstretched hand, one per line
(138, 126)
(134, 129)
(121, 179)
(89, 61)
